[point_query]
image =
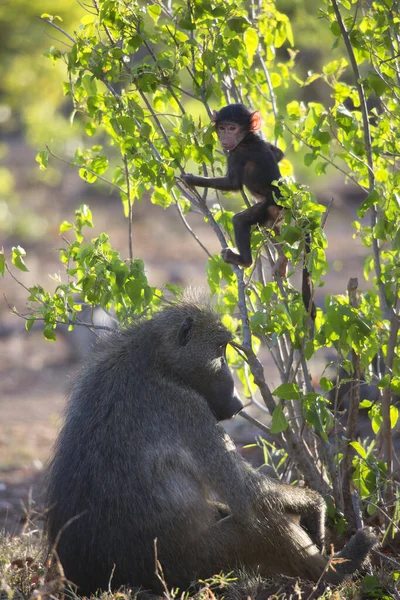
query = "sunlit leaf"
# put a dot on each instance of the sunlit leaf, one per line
(251, 41)
(359, 449)
(17, 254)
(43, 159)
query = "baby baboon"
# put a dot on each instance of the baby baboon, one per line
(141, 457)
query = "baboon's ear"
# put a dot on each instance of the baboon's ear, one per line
(185, 331)
(255, 121)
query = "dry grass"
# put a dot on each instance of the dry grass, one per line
(27, 574)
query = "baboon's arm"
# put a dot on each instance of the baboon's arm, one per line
(252, 495)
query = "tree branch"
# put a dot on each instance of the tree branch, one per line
(352, 517)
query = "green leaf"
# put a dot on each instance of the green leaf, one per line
(291, 235)
(326, 384)
(238, 24)
(17, 258)
(309, 158)
(53, 53)
(384, 382)
(323, 137)
(279, 422)
(394, 384)
(87, 176)
(161, 197)
(251, 40)
(90, 129)
(359, 449)
(49, 333)
(370, 200)
(347, 365)
(187, 125)
(344, 118)
(287, 391)
(154, 11)
(293, 110)
(134, 289)
(371, 586)
(29, 323)
(376, 418)
(2, 262)
(43, 159)
(90, 85)
(65, 226)
(88, 19)
(378, 84)
(394, 416)
(366, 404)
(187, 23)
(309, 349)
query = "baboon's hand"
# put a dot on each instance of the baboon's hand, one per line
(315, 527)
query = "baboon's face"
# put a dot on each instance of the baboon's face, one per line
(231, 134)
(202, 343)
(219, 388)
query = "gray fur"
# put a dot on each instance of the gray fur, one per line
(141, 457)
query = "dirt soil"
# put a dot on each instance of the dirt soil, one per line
(35, 373)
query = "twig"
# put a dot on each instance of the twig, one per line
(269, 84)
(386, 404)
(255, 422)
(326, 213)
(186, 224)
(298, 451)
(72, 164)
(160, 573)
(130, 215)
(95, 4)
(52, 37)
(385, 557)
(68, 322)
(58, 28)
(348, 453)
(193, 196)
(244, 315)
(386, 515)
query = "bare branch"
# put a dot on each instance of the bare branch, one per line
(130, 214)
(386, 404)
(326, 213)
(58, 28)
(72, 164)
(186, 224)
(255, 422)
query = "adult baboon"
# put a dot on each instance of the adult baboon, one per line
(141, 456)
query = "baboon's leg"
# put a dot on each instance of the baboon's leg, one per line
(284, 548)
(281, 548)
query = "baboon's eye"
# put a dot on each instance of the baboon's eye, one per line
(222, 349)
